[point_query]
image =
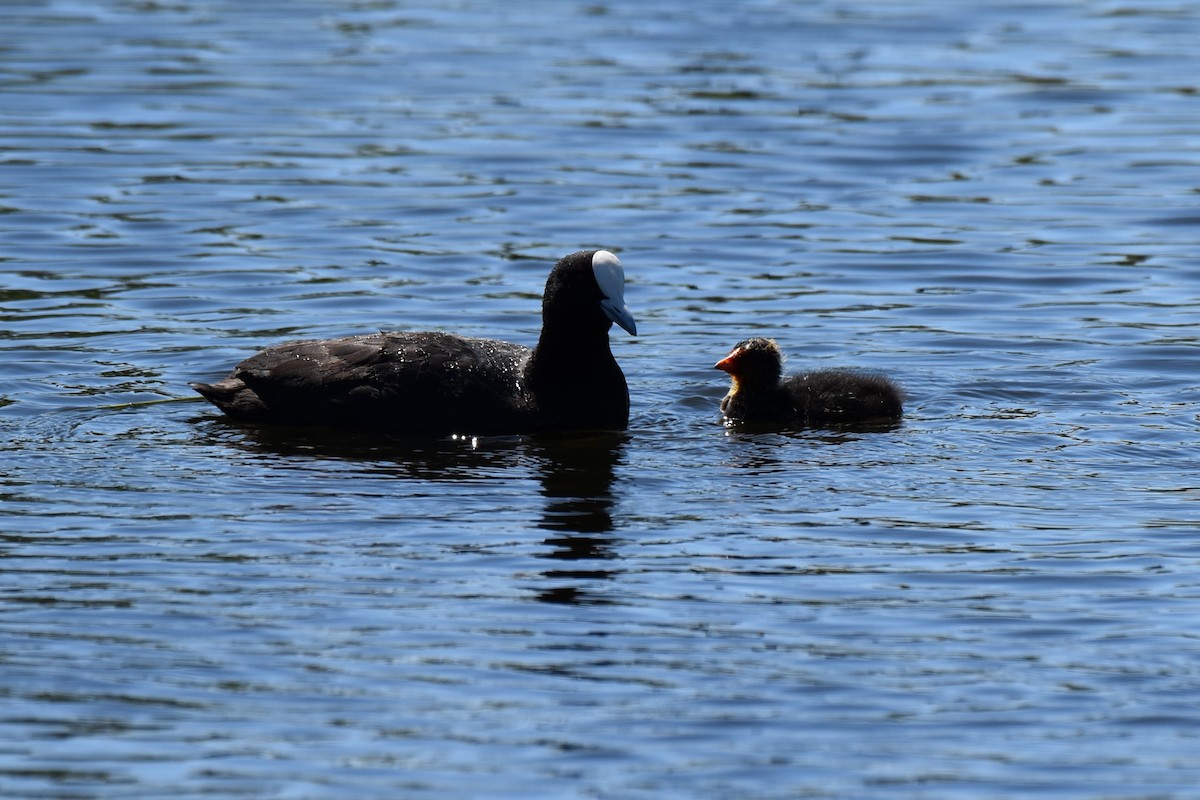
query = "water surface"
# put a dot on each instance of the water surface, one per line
(997, 206)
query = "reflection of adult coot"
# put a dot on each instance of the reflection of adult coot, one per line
(577, 476)
(432, 384)
(759, 393)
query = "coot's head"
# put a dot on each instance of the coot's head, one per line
(753, 362)
(587, 290)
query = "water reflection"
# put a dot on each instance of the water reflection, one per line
(447, 459)
(577, 475)
(761, 449)
(830, 433)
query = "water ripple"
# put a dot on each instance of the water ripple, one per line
(996, 207)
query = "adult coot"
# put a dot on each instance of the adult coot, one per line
(428, 383)
(759, 393)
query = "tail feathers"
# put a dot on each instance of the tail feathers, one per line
(233, 397)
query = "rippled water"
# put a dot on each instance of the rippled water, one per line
(996, 205)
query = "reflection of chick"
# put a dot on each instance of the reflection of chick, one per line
(827, 396)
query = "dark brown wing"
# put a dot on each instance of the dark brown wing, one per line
(424, 382)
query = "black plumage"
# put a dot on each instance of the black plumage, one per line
(760, 394)
(432, 383)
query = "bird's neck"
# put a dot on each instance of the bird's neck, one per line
(559, 355)
(578, 380)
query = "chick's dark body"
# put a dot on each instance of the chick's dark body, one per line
(759, 394)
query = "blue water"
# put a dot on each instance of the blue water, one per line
(996, 205)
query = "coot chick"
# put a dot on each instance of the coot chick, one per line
(759, 393)
(433, 384)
